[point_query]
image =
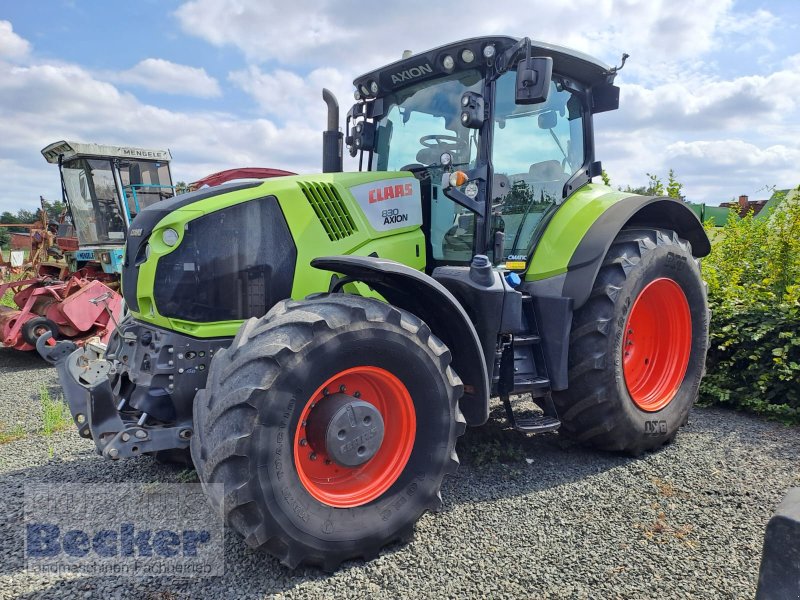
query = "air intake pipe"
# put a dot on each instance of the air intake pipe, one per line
(331, 137)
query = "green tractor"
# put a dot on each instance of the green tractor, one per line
(318, 343)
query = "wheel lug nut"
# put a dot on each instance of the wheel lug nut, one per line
(303, 442)
(342, 388)
(304, 423)
(324, 392)
(357, 394)
(328, 461)
(313, 456)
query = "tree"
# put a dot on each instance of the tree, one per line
(5, 232)
(53, 209)
(606, 179)
(181, 188)
(674, 187)
(655, 187)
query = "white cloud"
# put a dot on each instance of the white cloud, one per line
(168, 77)
(677, 111)
(11, 45)
(266, 29)
(354, 39)
(750, 169)
(288, 96)
(706, 156)
(43, 103)
(699, 103)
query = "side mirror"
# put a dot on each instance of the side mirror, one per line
(533, 79)
(472, 110)
(548, 119)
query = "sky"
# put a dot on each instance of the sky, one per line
(711, 90)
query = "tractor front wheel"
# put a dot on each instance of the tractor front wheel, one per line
(330, 424)
(638, 345)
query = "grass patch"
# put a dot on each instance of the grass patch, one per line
(10, 434)
(8, 297)
(55, 413)
(187, 476)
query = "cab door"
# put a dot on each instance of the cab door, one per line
(536, 148)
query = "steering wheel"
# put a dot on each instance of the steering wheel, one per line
(445, 143)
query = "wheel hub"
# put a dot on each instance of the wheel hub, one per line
(657, 344)
(347, 430)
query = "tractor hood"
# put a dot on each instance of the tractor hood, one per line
(246, 241)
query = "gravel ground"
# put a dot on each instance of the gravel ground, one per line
(524, 517)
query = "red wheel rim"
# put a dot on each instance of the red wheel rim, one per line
(346, 487)
(656, 345)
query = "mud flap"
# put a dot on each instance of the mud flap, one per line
(779, 578)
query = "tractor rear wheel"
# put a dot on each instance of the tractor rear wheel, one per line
(330, 424)
(638, 345)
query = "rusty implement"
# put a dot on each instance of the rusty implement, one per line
(75, 309)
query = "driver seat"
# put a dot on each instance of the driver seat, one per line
(548, 170)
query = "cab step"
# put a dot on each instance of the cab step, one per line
(526, 339)
(533, 424)
(540, 424)
(523, 385)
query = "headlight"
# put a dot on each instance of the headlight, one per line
(170, 237)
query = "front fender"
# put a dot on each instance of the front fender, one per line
(423, 296)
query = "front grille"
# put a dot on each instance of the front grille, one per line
(331, 211)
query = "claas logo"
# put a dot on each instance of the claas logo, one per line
(390, 191)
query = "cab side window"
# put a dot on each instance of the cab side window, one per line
(536, 149)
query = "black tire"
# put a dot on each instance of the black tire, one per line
(597, 408)
(245, 422)
(33, 329)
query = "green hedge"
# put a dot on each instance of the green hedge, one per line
(753, 276)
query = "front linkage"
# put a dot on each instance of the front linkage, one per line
(135, 397)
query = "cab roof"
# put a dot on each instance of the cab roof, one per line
(429, 64)
(68, 150)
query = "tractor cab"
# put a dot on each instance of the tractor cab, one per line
(104, 188)
(497, 130)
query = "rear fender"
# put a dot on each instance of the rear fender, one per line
(568, 258)
(423, 296)
(640, 211)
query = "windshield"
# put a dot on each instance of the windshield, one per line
(145, 182)
(93, 200)
(423, 121)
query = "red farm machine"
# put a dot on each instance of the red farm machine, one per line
(104, 188)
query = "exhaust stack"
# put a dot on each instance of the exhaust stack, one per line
(331, 137)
